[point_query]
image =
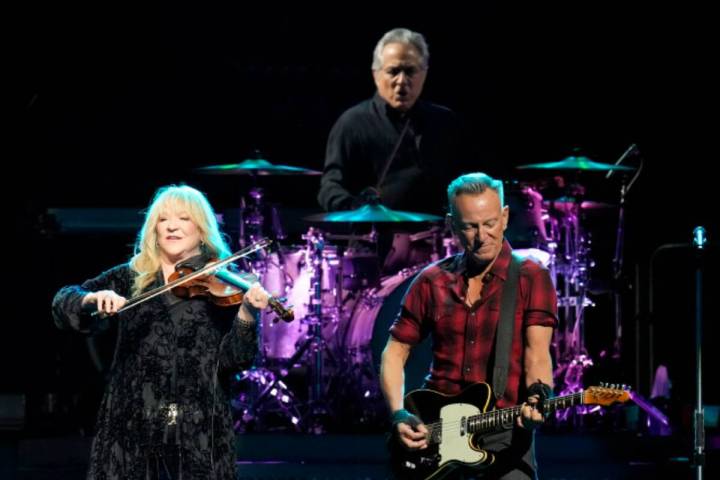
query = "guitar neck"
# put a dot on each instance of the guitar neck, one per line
(498, 419)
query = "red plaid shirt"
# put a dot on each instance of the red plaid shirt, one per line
(463, 337)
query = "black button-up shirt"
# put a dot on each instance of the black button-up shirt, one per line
(361, 142)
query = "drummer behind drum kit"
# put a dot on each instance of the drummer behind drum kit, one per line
(321, 371)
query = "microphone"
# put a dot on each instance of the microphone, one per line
(631, 149)
(699, 237)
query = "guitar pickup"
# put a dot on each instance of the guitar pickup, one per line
(463, 426)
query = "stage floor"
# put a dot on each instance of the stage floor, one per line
(283, 456)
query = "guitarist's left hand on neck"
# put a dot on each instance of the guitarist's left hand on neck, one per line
(531, 417)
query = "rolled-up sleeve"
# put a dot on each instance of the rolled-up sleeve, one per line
(410, 326)
(541, 306)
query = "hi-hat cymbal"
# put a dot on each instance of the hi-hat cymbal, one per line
(575, 163)
(373, 213)
(256, 166)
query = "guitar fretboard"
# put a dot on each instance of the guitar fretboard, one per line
(504, 418)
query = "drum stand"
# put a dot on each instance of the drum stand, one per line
(268, 395)
(572, 269)
(317, 409)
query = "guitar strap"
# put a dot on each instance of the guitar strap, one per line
(506, 327)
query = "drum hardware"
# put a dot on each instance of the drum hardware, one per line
(315, 344)
(618, 257)
(253, 223)
(312, 277)
(433, 235)
(266, 393)
(268, 396)
(368, 237)
(572, 266)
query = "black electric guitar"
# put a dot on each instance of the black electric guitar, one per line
(456, 423)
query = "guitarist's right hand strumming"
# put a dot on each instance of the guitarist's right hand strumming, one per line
(410, 430)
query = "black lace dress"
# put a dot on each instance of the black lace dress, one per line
(166, 411)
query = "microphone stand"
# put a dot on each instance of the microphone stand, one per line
(699, 243)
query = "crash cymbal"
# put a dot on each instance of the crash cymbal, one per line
(575, 163)
(373, 213)
(256, 166)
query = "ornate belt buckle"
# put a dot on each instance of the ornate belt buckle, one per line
(172, 414)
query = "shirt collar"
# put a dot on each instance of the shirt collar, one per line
(385, 109)
(502, 262)
(458, 266)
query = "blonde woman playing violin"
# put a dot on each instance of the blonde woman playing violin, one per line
(165, 413)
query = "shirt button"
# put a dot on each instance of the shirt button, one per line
(472, 342)
(467, 369)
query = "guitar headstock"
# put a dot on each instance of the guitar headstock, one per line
(606, 394)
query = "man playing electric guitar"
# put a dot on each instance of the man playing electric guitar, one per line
(491, 316)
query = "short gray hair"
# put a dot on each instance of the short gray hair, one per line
(472, 184)
(402, 35)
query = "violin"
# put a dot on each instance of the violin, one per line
(220, 293)
(225, 288)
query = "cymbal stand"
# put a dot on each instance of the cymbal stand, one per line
(315, 343)
(617, 265)
(618, 257)
(573, 272)
(267, 394)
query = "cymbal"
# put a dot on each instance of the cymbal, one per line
(256, 166)
(575, 163)
(373, 213)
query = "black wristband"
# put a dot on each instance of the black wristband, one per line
(542, 390)
(404, 416)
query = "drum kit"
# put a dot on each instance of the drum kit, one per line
(321, 371)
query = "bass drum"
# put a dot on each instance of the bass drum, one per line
(368, 331)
